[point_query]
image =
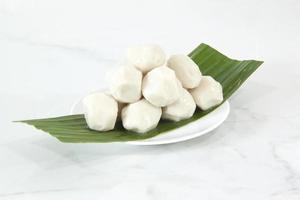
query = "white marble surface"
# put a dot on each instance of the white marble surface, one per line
(48, 49)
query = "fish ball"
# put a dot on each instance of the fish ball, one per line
(146, 57)
(100, 111)
(208, 94)
(183, 108)
(161, 87)
(187, 71)
(140, 116)
(126, 83)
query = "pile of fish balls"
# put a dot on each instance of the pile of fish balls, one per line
(149, 87)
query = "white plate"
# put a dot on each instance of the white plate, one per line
(189, 131)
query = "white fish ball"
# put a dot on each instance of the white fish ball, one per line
(208, 94)
(146, 57)
(183, 108)
(126, 83)
(100, 111)
(161, 87)
(140, 116)
(187, 71)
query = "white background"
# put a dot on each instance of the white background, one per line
(53, 52)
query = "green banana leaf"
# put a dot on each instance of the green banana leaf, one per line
(230, 73)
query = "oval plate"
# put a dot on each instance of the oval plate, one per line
(187, 132)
